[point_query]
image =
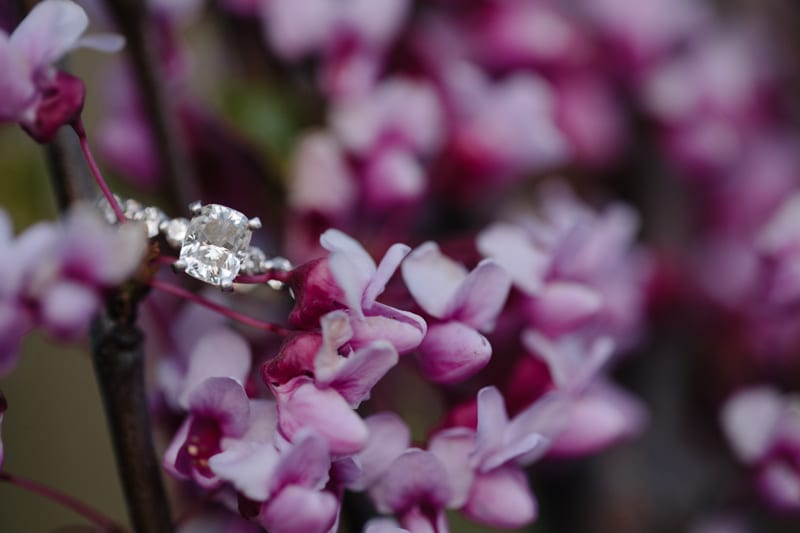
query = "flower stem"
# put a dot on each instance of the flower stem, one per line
(92, 515)
(98, 176)
(221, 309)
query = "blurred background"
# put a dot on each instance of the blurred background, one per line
(686, 109)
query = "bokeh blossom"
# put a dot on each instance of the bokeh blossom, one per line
(530, 245)
(54, 274)
(36, 94)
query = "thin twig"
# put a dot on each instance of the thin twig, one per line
(94, 516)
(221, 309)
(98, 176)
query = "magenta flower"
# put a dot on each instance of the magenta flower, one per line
(219, 408)
(505, 128)
(464, 304)
(286, 478)
(321, 181)
(602, 413)
(483, 465)
(645, 31)
(349, 278)
(35, 94)
(351, 37)
(416, 489)
(579, 268)
(53, 274)
(763, 428)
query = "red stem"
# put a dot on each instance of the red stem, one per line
(98, 176)
(92, 515)
(233, 315)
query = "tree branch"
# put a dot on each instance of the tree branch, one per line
(132, 18)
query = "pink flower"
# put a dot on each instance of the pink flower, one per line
(602, 413)
(504, 128)
(53, 275)
(579, 268)
(219, 412)
(763, 428)
(35, 94)
(349, 278)
(340, 383)
(464, 303)
(483, 465)
(287, 478)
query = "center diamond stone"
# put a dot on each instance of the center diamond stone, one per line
(216, 244)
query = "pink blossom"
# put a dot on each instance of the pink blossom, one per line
(763, 428)
(505, 128)
(529, 34)
(35, 94)
(579, 268)
(348, 278)
(463, 303)
(602, 413)
(54, 274)
(288, 479)
(483, 464)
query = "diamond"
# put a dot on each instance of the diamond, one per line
(151, 216)
(216, 244)
(254, 262)
(175, 231)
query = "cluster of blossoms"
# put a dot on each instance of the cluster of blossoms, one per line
(54, 275)
(434, 117)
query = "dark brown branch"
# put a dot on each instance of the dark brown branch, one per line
(132, 18)
(117, 353)
(118, 356)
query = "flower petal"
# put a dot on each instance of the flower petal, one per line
(362, 369)
(432, 278)
(603, 415)
(351, 266)
(388, 438)
(564, 306)
(415, 478)
(452, 352)
(481, 296)
(501, 499)
(224, 400)
(511, 247)
(453, 447)
(403, 329)
(220, 353)
(102, 42)
(67, 307)
(248, 466)
(50, 30)
(750, 420)
(299, 510)
(16, 83)
(301, 404)
(383, 525)
(394, 256)
(306, 463)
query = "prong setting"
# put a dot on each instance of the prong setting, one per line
(195, 207)
(179, 266)
(254, 223)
